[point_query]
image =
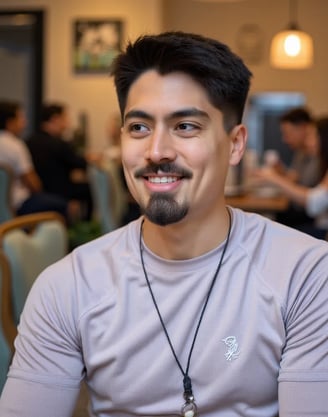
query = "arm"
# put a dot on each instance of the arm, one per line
(303, 399)
(317, 201)
(24, 169)
(303, 377)
(24, 398)
(295, 192)
(47, 367)
(31, 180)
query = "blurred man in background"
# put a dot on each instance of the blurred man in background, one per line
(61, 169)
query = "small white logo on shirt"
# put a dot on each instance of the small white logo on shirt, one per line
(233, 348)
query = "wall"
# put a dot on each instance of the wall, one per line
(223, 21)
(91, 93)
(95, 93)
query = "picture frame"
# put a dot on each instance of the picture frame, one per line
(96, 42)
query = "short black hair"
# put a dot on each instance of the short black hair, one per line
(8, 111)
(210, 63)
(50, 110)
(297, 116)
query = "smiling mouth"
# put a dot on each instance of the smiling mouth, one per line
(162, 180)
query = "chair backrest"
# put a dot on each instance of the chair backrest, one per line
(7, 328)
(31, 243)
(109, 196)
(6, 180)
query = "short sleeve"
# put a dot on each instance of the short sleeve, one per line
(317, 201)
(303, 378)
(22, 162)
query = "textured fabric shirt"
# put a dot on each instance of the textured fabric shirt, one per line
(14, 153)
(262, 344)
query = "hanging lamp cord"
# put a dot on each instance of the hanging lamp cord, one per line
(293, 15)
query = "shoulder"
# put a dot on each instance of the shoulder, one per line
(87, 276)
(10, 141)
(280, 257)
(14, 150)
(262, 231)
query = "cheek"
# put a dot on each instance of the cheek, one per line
(130, 153)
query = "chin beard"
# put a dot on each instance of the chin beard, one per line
(162, 209)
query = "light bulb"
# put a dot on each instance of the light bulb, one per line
(292, 45)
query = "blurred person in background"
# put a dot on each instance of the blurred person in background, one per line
(313, 199)
(27, 191)
(61, 168)
(111, 159)
(296, 125)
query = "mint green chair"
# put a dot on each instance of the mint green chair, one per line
(31, 243)
(7, 328)
(6, 180)
(109, 196)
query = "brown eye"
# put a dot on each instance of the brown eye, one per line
(187, 129)
(138, 129)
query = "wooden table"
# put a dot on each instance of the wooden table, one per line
(257, 203)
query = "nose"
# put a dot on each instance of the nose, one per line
(160, 147)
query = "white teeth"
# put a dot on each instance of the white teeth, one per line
(162, 180)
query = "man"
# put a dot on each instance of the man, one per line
(194, 308)
(297, 126)
(27, 195)
(56, 160)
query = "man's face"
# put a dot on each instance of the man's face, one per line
(175, 150)
(18, 123)
(61, 123)
(293, 134)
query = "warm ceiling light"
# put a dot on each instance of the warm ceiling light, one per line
(292, 48)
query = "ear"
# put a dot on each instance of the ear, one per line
(238, 141)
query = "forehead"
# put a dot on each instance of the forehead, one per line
(158, 92)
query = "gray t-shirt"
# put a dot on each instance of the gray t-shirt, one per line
(264, 334)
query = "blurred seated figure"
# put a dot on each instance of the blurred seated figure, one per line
(27, 194)
(111, 160)
(313, 199)
(57, 162)
(112, 151)
(297, 125)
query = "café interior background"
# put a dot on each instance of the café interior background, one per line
(246, 26)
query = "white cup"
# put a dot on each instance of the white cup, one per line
(270, 158)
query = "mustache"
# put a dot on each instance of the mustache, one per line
(165, 167)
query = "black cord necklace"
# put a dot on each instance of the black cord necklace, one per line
(189, 408)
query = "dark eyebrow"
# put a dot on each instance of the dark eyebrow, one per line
(138, 114)
(188, 112)
(192, 111)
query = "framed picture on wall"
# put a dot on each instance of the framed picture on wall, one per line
(95, 44)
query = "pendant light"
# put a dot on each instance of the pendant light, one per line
(292, 48)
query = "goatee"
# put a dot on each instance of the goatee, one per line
(162, 209)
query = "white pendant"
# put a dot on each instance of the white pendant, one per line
(189, 409)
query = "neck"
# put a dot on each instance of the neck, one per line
(186, 239)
